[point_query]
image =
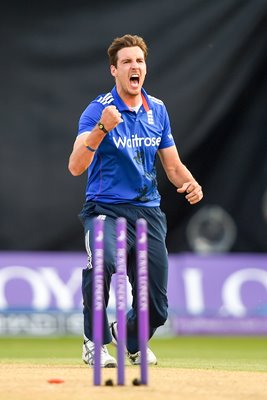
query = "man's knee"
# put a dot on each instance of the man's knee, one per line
(159, 317)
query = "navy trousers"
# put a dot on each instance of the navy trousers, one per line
(157, 264)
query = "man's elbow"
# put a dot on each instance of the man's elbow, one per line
(74, 170)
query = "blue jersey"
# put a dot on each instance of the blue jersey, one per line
(123, 169)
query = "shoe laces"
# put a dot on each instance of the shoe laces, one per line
(134, 356)
(104, 349)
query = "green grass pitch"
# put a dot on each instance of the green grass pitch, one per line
(221, 353)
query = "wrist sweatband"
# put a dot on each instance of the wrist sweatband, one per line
(88, 147)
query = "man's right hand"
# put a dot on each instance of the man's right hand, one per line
(110, 117)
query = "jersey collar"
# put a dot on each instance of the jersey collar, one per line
(123, 107)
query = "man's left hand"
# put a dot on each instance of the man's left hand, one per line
(193, 190)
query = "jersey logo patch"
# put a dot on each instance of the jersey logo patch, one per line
(150, 118)
(136, 141)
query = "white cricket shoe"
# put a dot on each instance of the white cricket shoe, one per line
(114, 332)
(107, 361)
(135, 359)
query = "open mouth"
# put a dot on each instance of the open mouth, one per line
(134, 81)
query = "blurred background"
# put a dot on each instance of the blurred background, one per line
(207, 61)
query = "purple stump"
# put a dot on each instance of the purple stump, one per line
(143, 311)
(121, 261)
(98, 294)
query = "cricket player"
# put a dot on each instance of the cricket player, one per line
(120, 134)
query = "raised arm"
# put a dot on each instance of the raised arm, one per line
(179, 175)
(87, 143)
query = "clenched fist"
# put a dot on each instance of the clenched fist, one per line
(110, 117)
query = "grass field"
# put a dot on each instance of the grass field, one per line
(190, 368)
(221, 353)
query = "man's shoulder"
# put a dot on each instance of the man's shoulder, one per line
(157, 105)
(155, 100)
(100, 102)
(104, 99)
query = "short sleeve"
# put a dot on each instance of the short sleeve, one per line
(167, 138)
(90, 117)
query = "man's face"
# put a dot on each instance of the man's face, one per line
(130, 71)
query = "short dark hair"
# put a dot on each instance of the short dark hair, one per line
(125, 41)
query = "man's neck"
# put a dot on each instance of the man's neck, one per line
(130, 100)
